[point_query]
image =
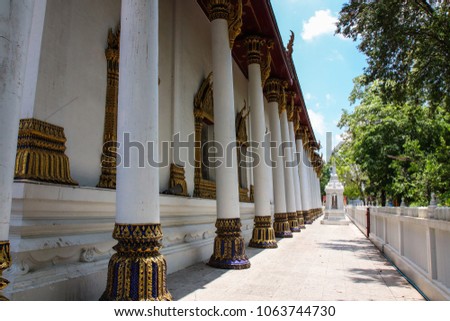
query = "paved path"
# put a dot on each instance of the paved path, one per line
(323, 262)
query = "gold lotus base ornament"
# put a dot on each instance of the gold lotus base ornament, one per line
(5, 262)
(301, 220)
(137, 272)
(293, 222)
(40, 153)
(229, 246)
(263, 233)
(309, 216)
(281, 226)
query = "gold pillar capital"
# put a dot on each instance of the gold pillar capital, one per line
(254, 46)
(219, 9)
(230, 11)
(272, 90)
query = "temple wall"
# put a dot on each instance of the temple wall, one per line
(71, 84)
(61, 238)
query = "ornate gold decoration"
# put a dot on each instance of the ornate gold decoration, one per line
(203, 100)
(309, 216)
(235, 21)
(109, 152)
(293, 222)
(266, 66)
(304, 214)
(177, 183)
(137, 272)
(252, 193)
(229, 246)
(290, 46)
(219, 9)
(40, 153)
(300, 220)
(281, 225)
(5, 262)
(296, 120)
(243, 195)
(203, 114)
(290, 106)
(272, 90)
(263, 233)
(241, 142)
(254, 46)
(282, 103)
(241, 125)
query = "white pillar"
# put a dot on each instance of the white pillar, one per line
(227, 189)
(227, 184)
(137, 263)
(302, 172)
(15, 25)
(33, 59)
(291, 206)
(137, 187)
(295, 158)
(281, 225)
(263, 233)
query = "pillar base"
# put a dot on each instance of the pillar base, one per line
(293, 222)
(137, 272)
(300, 219)
(309, 217)
(229, 246)
(263, 233)
(281, 226)
(5, 262)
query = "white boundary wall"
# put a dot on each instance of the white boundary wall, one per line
(417, 240)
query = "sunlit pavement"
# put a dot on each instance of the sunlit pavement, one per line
(323, 262)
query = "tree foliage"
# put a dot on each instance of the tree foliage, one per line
(400, 150)
(407, 45)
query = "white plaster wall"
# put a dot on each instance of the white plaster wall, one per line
(443, 257)
(267, 121)
(166, 57)
(415, 244)
(240, 98)
(71, 85)
(194, 43)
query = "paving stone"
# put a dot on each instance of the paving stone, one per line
(323, 262)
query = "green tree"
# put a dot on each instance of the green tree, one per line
(407, 45)
(401, 150)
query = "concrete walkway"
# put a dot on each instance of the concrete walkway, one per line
(323, 262)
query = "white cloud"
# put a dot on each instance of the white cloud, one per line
(317, 122)
(328, 97)
(322, 23)
(335, 56)
(308, 96)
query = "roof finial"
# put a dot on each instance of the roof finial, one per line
(290, 46)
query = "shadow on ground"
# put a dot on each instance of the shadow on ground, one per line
(196, 277)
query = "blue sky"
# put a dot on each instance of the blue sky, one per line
(326, 64)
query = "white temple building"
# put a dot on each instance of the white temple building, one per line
(92, 96)
(334, 207)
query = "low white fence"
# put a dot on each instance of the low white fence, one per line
(417, 240)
